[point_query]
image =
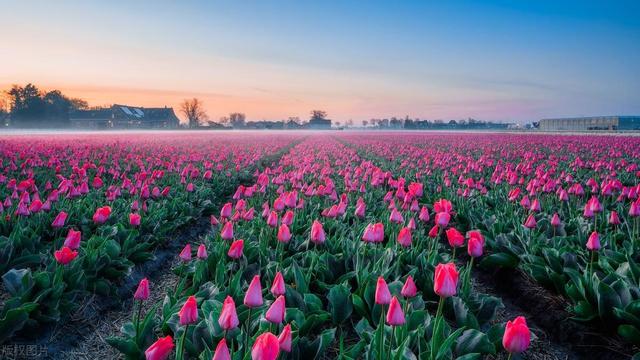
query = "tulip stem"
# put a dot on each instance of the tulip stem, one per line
(509, 358)
(180, 351)
(381, 327)
(248, 333)
(436, 329)
(138, 320)
(393, 330)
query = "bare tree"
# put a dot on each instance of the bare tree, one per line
(194, 111)
(237, 119)
(365, 123)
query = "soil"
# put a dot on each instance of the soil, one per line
(559, 337)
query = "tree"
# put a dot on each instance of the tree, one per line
(193, 110)
(237, 119)
(294, 119)
(349, 123)
(318, 115)
(365, 123)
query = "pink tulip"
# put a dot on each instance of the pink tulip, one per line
(160, 350)
(73, 239)
(189, 312)
(517, 336)
(395, 315)
(275, 313)
(134, 219)
(227, 231)
(185, 254)
(222, 351)
(142, 292)
(445, 281)
(266, 347)
(202, 252)
(278, 288)
(317, 233)
(382, 295)
(409, 288)
(253, 296)
(228, 319)
(58, 222)
(285, 338)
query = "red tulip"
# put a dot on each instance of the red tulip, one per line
(228, 317)
(253, 296)
(275, 313)
(65, 255)
(317, 233)
(134, 219)
(409, 288)
(434, 231)
(445, 282)
(142, 292)
(102, 215)
(222, 351)
(236, 248)
(285, 338)
(516, 336)
(278, 287)
(160, 350)
(404, 237)
(555, 220)
(266, 347)
(382, 296)
(424, 214)
(442, 205)
(189, 312)
(454, 237)
(395, 315)
(73, 239)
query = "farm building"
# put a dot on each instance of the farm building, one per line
(124, 117)
(591, 123)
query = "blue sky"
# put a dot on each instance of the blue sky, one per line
(493, 60)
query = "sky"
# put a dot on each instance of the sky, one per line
(514, 61)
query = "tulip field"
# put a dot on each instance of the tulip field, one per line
(324, 245)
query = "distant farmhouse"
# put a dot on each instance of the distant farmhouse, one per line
(591, 123)
(319, 124)
(124, 117)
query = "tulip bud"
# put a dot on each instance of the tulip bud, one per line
(382, 296)
(409, 288)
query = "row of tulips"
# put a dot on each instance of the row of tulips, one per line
(566, 211)
(332, 228)
(78, 214)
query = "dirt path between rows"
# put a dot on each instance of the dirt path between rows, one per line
(559, 337)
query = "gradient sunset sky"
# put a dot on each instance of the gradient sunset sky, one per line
(492, 60)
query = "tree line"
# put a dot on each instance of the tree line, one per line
(29, 107)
